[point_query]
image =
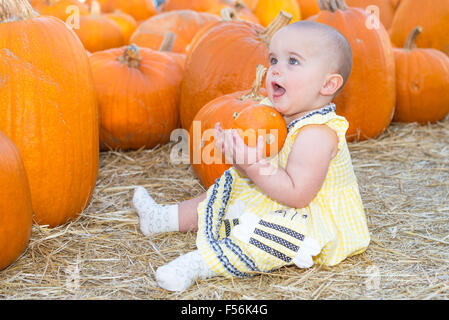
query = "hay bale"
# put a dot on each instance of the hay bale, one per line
(403, 177)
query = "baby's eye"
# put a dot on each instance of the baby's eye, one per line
(273, 60)
(293, 61)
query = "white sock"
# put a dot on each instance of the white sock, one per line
(181, 273)
(154, 218)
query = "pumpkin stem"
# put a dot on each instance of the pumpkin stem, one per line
(341, 4)
(168, 42)
(280, 21)
(332, 5)
(410, 43)
(254, 94)
(16, 10)
(228, 14)
(323, 5)
(131, 56)
(239, 5)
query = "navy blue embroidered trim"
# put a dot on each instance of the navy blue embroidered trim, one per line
(269, 250)
(324, 110)
(227, 227)
(214, 243)
(280, 228)
(229, 224)
(277, 239)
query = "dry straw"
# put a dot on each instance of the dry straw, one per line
(404, 182)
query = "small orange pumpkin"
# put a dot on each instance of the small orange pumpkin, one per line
(125, 21)
(16, 212)
(139, 9)
(308, 8)
(196, 5)
(227, 14)
(138, 95)
(239, 110)
(250, 3)
(211, 6)
(97, 32)
(422, 82)
(184, 23)
(58, 8)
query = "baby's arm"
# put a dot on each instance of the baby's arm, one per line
(296, 186)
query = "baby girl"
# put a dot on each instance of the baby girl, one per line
(302, 206)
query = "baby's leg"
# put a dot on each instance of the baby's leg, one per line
(188, 214)
(155, 218)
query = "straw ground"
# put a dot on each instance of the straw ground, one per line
(404, 181)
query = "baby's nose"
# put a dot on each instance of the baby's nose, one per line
(275, 72)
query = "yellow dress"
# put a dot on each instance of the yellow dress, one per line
(242, 231)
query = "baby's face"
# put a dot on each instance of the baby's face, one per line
(298, 68)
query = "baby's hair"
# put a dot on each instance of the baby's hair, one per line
(337, 43)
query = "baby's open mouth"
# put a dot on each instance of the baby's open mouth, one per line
(278, 90)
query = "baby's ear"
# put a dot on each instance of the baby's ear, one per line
(332, 84)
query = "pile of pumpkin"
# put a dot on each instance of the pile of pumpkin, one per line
(77, 78)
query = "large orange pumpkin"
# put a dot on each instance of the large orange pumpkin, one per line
(267, 10)
(385, 9)
(422, 78)
(368, 99)
(49, 110)
(16, 212)
(97, 32)
(431, 15)
(239, 110)
(59, 8)
(223, 61)
(184, 23)
(138, 94)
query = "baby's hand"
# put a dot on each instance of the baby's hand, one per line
(222, 143)
(239, 153)
(218, 136)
